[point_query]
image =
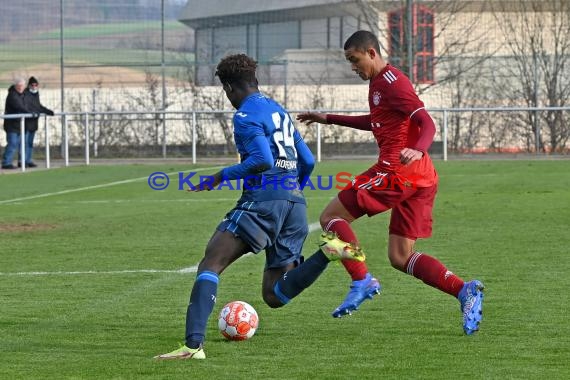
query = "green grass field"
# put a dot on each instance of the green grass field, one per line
(504, 222)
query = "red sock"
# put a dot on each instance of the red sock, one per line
(434, 273)
(356, 269)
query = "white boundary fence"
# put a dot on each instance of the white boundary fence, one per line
(88, 127)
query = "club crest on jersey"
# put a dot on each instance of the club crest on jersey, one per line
(376, 98)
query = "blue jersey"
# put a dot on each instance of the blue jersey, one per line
(274, 159)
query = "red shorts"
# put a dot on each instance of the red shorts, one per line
(411, 206)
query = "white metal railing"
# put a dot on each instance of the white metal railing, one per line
(192, 115)
(22, 152)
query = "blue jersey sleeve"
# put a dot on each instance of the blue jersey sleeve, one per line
(305, 160)
(259, 159)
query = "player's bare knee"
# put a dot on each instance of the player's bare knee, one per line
(212, 263)
(327, 215)
(397, 259)
(324, 219)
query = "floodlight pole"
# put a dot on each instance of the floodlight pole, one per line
(535, 121)
(61, 67)
(162, 66)
(410, 41)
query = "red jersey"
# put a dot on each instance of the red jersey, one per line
(393, 101)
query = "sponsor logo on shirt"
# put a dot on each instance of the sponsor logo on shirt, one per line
(241, 114)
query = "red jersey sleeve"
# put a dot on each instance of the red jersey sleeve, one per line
(426, 130)
(361, 122)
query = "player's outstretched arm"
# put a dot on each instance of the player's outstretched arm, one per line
(361, 122)
(207, 182)
(312, 117)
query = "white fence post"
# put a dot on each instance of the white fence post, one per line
(86, 131)
(318, 142)
(94, 130)
(444, 137)
(537, 138)
(23, 144)
(163, 113)
(193, 137)
(65, 141)
(46, 124)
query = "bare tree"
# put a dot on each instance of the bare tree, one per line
(455, 37)
(117, 133)
(113, 133)
(205, 98)
(150, 100)
(537, 35)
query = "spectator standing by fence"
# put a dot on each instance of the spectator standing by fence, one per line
(32, 102)
(15, 104)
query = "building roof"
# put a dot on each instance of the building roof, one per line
(220, 13)
(205, 14)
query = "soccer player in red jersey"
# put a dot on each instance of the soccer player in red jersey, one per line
(403, 180)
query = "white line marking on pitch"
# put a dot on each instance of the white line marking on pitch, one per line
(314, 226)
(186, 200)
(96, 186)
(193, 269)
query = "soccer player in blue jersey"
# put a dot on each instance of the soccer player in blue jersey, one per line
(271, 213)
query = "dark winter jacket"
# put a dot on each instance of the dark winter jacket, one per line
(14, 104)
(32, 102)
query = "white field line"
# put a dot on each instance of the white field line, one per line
(312, 227)
(191, 269)
(187, 200)
(96, 186)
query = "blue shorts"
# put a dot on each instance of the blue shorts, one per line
(278, 226)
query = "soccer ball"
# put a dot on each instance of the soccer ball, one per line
(238, 321)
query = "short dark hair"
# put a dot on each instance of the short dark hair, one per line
(362, 40)
(237, 69)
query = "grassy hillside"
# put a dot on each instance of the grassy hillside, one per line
(135, 45)
(112, 29)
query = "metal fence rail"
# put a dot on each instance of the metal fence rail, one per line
(209, 133)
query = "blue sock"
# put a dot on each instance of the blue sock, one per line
(202, 302)
(296, 280)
